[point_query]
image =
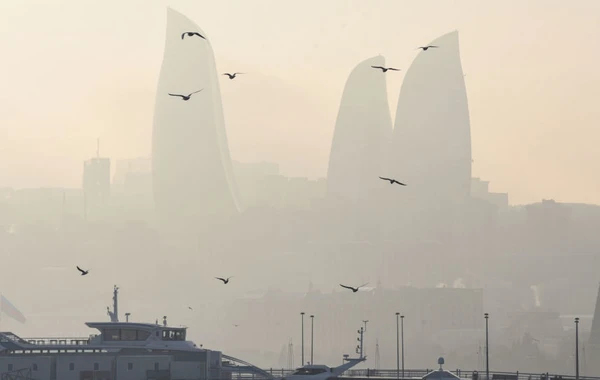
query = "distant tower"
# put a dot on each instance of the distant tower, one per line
(193, 183)
(431, 148)
(377, 354)
(593, 346)
(96, 180)
(290, 355)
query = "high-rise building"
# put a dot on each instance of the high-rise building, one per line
(193, 180)
(362, 133)
(431, 148)
(96, 180)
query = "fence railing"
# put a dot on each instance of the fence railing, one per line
(419, 373)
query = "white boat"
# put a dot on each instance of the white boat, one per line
(119, 351)
(323, 372)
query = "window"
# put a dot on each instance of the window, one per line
(112, 334)
(96, 366)
(34, 367)
(143, 335)
(130, 366)
(156, 367)
(71, 366)
(173, 335)
(128, 334)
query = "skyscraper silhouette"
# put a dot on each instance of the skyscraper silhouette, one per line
(431, 148)
(362, 133)
(193, 178)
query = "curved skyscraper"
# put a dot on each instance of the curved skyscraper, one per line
(193, 178)
(431, 148)
(362, 132)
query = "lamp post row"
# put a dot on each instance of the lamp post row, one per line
(400, 337)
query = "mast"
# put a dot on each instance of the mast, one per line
(114, 315)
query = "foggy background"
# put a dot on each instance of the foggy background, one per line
(74, 72)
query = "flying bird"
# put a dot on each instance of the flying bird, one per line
(189, 307)
(392, 181)
(427, 47)
(225, 281)
(354, 290)
(384, 69)
(186, 97)
(190, 34)
(231, 76)
(83, 272)
(235, 325)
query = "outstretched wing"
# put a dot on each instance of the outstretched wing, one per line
(386, 179)
(238, 73)
(81, 270)
(199, 35)
(177, 95)
(393, 69)
(196, 91)
(219, 278)
(400, 183)
(183, 35)
(227, 74)
(347, 287)
(363, 285)
(432, 46)
(378, 67)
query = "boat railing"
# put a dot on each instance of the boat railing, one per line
(59, 341)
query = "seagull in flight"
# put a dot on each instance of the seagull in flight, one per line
(354, 290)
(235, 325)
(83, 272)
(225, 281)
(392, 181)
(231, 76)
(190, 34)
(189, 307)
(427, 47)
(186, 97)
(384, 69)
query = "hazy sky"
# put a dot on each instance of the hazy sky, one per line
(75, 70)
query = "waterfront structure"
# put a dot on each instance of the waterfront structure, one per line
(193, 180)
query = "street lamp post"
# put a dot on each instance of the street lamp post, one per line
(302, 314)
(312, 325)
(487, 348)
(576, 348)
(402, 338)
(397, 347)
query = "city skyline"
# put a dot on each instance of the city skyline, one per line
(525, 119)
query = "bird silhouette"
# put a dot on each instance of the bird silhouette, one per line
(83, 272)
(235, 325)
(424, 48)
(189, 307)
(186, 97)
(231, 76)
(384, 69)
(392, 181)
(225, 281)
(190, 34)
(354, 290)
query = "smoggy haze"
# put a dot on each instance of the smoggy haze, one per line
(73, 71)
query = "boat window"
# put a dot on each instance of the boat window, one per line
(128, 334)
(34, 367)
(309, 371)
(156, 367)
(142, 335)
(112, 334)
(173, 335)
